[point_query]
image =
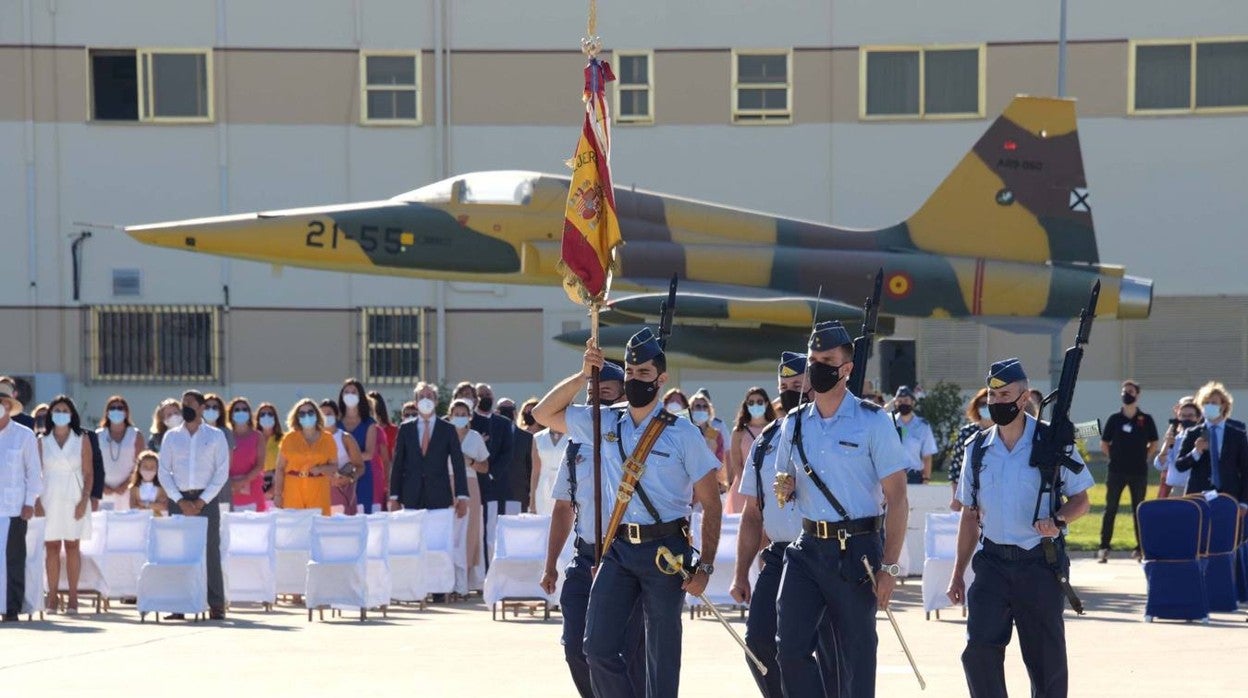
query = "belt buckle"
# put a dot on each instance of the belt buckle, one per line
(632, 533)
(821, 529)
(841, 536)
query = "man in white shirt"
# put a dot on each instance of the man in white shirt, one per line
(194, 467)
(21, 483)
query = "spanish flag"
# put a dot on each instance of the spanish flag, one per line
(591, 230)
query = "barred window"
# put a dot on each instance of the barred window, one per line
(392, 341)
(762, 85)
(921, 82)
(155, 343)
(390, 83)
(1189, 76)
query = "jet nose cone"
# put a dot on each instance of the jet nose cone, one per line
(1135, 299)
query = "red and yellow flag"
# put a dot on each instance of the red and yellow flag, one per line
(591, 230)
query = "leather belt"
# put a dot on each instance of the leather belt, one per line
(644, 533)
(300, 473)
(1012, 552)
(842, 530)
(584, 547)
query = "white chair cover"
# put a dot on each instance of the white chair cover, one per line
(404, 551)
(940, 549)
(337, 571)
(438, 560)
(91, 574)
(249, 549)
(175, 577)
(725, 560)
(519, 556)
(124, 535)
(36, 573)
(378, 575)
(294, 547)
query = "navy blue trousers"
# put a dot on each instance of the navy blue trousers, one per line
(573, 603)
(823, 584)
(1008, 593)
(760, 627)
(628, 575)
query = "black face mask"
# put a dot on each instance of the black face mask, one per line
(790, 399)
(640, 393)
(484, 404)
(824, 377)
(904, 410)
(1003, 413)
(189, 414)
(1128, 399)
(508, 412)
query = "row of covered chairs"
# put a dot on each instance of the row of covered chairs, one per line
(1195, 558)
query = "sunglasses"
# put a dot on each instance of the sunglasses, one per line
(116, 407)
(307, 414)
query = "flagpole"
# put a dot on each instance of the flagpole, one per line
(596, 401)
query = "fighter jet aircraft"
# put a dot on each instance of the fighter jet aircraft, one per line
(1006, 238)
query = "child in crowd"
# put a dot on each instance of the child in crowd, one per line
(145, 489)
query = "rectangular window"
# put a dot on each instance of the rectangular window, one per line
(155, 343)
(634, 87)
(921, 82)
(762, 86)
(155, 85)
(1190, 75)
(127, 282)
(390, 88)
(392, 340)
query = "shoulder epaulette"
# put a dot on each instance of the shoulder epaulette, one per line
(868, 405)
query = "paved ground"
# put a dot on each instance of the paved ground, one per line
(458, 651)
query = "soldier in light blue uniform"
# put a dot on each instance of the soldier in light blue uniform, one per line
(678, 470)
(916, 437)
(574, 513)
(1014, 585)
(781, 526)
(845, 467)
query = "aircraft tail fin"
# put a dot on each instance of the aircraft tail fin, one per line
(1019, 194)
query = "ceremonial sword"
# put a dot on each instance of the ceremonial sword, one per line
(896, 628)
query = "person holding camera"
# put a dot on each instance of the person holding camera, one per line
(1186, 416)
(1216, 452)
(1130, 441)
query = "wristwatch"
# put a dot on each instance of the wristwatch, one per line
(893, 570)
(1059, 521)
(706, 568)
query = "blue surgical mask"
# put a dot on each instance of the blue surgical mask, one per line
(757, 411)
(1212, 412)
(61, 419)
(241, 416)
(307, 421)
(983, 413)
(267, 421)
(460, 422)
(330, 421)
(699, 416)
(211, 414)
(117, 416)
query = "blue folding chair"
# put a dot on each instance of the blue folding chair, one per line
(1173, 536)
(1241, 570)
(1220, 556)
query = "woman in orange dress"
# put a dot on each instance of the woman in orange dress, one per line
(305, 460)
(753, 416)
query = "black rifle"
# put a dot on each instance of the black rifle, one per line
(667, 310)
(862, 345)
(1053, 444)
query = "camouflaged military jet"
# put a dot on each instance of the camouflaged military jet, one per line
(1007, 238)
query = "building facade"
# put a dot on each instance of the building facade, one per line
(136, 111)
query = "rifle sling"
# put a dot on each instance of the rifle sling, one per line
(760, 454)
(648, 439)
(810, 472)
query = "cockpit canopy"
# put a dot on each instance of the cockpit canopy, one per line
(498, 188)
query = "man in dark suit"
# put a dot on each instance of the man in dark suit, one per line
(418, 476)
(1216, 452)
(521, 469)
(496, 430)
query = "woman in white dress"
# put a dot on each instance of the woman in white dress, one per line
(470, 570)
(66, 499)
(120, 445)
(342, 499)
(550, 445)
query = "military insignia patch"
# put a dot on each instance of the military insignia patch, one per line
(609, 437)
